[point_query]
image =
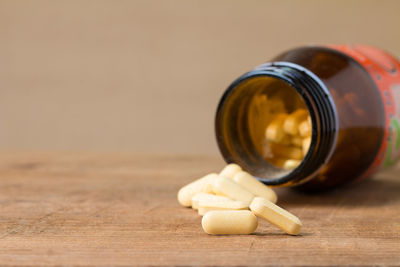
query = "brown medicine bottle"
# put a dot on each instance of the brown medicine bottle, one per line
(352, 95)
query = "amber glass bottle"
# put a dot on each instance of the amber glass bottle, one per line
(352, 95)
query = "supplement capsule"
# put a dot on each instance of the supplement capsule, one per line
(230, 170)
(292, 122)
(306, 145)
(227, 187)
(288, 152)
(275, 132)
(227, 204)
(196, 199)
(276, 215)
(204, 184)
(232, 222)
(291, 164)
(278, 162)
(297, 141)
(305, 128)
(254, 186)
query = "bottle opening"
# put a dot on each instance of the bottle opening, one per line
(278, 122)
(266, 126)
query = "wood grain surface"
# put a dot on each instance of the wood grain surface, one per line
(121, 209)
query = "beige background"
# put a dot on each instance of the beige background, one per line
(146, 76)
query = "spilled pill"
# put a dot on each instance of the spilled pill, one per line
(199, 197)
(277, 216)
(254, 186)
(230, 170)
(232, 222)
(227, 187)
(227, 204)
(204, 184)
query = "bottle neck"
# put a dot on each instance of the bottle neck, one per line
(321, 109)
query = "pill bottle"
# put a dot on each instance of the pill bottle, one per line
(351, 95)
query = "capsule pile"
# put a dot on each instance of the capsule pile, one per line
(231, 201)
(288, 138)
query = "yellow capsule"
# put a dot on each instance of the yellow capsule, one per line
(276, 215)
(297, 141)
(254, 186)
(286, 140)
(226, 204)
(306, 145)
(292, 122)
(274, 131)
(278, 162)
(291, 164)
(227, 187)
(288, 152)
(305, 128)
(204, 184)
(231, 222)
(230, 170)
(196, 199)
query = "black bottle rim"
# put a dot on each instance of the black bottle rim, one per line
(322, 112)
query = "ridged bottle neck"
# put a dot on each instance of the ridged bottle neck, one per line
(321, 109)
(323, 116)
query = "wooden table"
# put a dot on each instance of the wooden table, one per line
(121, 209)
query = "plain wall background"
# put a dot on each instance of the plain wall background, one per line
(146, 76)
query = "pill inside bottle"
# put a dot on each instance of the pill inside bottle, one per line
(277, 123)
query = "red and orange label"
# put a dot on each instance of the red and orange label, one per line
(385, 71)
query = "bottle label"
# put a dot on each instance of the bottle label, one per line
(385, 71)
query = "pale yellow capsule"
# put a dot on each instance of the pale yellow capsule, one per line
(230, 222)
(297, 141)
(291, 164)
(204, 184)
(278, 162)
(254, 186)
(306, 145)
(196, 199)
(305, 128)
(292, 122)
(276, 215)
(227, 187)
(227, 204)
(230, 170)
(274, 131)
(286, 140)
(288, 152)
